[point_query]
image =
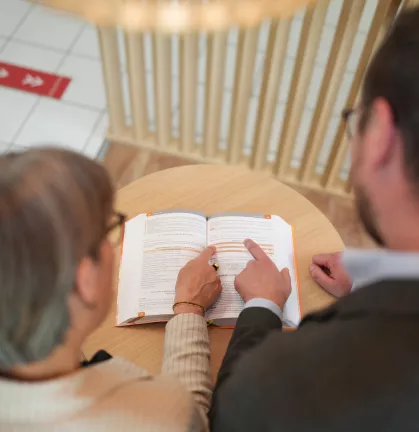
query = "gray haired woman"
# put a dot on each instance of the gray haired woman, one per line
(56, 264)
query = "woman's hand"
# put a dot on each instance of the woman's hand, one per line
(197, 283)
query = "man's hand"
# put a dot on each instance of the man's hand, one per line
(262, 279)
(327, 270)
(197, 283)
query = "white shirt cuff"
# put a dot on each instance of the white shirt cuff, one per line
(264, 303)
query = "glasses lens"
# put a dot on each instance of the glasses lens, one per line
(115, 231)
(115, 236)
(352, 124)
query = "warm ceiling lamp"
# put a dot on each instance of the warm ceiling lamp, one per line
(178, 15)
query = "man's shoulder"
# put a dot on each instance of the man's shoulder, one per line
(328, 366)
(395, 296)
(350, 359)
(364, 327)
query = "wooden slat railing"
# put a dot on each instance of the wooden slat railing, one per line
(331, 179)
(134, 45)
(306, 55)
(261, 73)
(275, 57)
(241, 97)
(188, 82)
(344, 37)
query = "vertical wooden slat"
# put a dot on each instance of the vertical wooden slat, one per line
(344, 37)
(275, 56)
(189, 71)
(217, 47)
(348, 185)
(237, 71)
(162, 77)
(306, 55)
(331, 175)
(134, 45)
(108, 43)
(242, 94)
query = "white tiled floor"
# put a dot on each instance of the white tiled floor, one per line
(95, 142)
(87, 43)
(4, 147)
(49, 28)
(86, 87)
(11, 13)
(14, 109)
(30, 56)
(3, 40)
(42, 39)
(49, 121)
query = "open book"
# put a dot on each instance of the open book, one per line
(156, 246)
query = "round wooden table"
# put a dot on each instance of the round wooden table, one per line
(212, 189)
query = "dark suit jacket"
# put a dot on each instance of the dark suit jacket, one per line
(352, 367)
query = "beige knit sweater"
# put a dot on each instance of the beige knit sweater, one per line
(118, 396)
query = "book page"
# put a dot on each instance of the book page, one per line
(284, 257)
(168, 241)
(130, 269)
(228, 233)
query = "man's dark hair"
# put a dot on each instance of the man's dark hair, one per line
(394, 75)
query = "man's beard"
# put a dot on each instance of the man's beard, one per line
(365, 213)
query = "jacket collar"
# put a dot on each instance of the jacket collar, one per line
(366, 266)
(390, 297)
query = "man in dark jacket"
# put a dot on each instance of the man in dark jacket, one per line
(354, 366)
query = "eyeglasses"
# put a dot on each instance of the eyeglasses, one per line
(115, 230)
(348, 115)
(114, 233)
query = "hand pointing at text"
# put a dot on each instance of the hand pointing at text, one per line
(262, 279)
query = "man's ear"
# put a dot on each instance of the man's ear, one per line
(379, 143)
(87, 282)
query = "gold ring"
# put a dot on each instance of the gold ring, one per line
(215, 267)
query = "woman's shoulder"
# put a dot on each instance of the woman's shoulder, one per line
(140, 394)
(106, 396)
(126, 375)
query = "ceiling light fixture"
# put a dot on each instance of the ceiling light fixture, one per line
(178, 15)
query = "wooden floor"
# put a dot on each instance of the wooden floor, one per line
(126, 164)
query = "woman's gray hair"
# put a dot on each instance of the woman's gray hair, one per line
(54, 209)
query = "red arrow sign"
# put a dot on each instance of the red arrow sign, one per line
(33, 81)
